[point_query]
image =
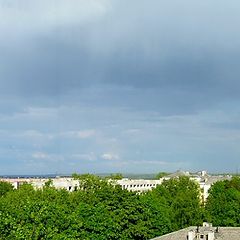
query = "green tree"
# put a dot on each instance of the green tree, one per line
(183, 198)
(161, 175)
(159, 213)
(100, 209)
(115, 176)
(5, 187)
(48, 183)
(223, 204)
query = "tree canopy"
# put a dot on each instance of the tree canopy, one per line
(223, 205)
(5, 187)
(101, 209)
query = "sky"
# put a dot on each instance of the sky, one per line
(119, 86)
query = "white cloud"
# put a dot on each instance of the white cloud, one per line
(40, 111)
(82, 134)
(85, 156)
(40, 155)
(34, 134)
(110, 156)
(48, 157)
(155, 162)
(21, 17)
(85, 133)
(133, 130)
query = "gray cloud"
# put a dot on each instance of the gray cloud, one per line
(74, 66)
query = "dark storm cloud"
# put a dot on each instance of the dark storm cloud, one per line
(178, 57)
(180, 49)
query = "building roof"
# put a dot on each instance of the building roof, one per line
(221, 233)
(213, 179)
(178, 173)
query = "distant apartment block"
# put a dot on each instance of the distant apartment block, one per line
(204, 180)
(138, 185)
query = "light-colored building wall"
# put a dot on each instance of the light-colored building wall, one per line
(204, 180)
(138, 185)
(60, 183)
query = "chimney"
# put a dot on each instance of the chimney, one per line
(206, 224)
(191, 235)
(211, 236)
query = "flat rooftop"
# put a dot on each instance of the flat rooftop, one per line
(220, 233)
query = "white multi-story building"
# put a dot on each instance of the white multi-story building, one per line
(60, 183)
(204, 180)
(138, 185)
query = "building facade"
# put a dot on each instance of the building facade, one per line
(204, 180)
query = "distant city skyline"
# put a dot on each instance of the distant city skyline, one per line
(119, 86)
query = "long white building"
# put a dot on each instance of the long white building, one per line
(138, 185)
(204, 180)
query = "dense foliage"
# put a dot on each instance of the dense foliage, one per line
(223, 205)
(5, 187)
(102, 210)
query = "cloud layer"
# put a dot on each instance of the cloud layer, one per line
(100, 85)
